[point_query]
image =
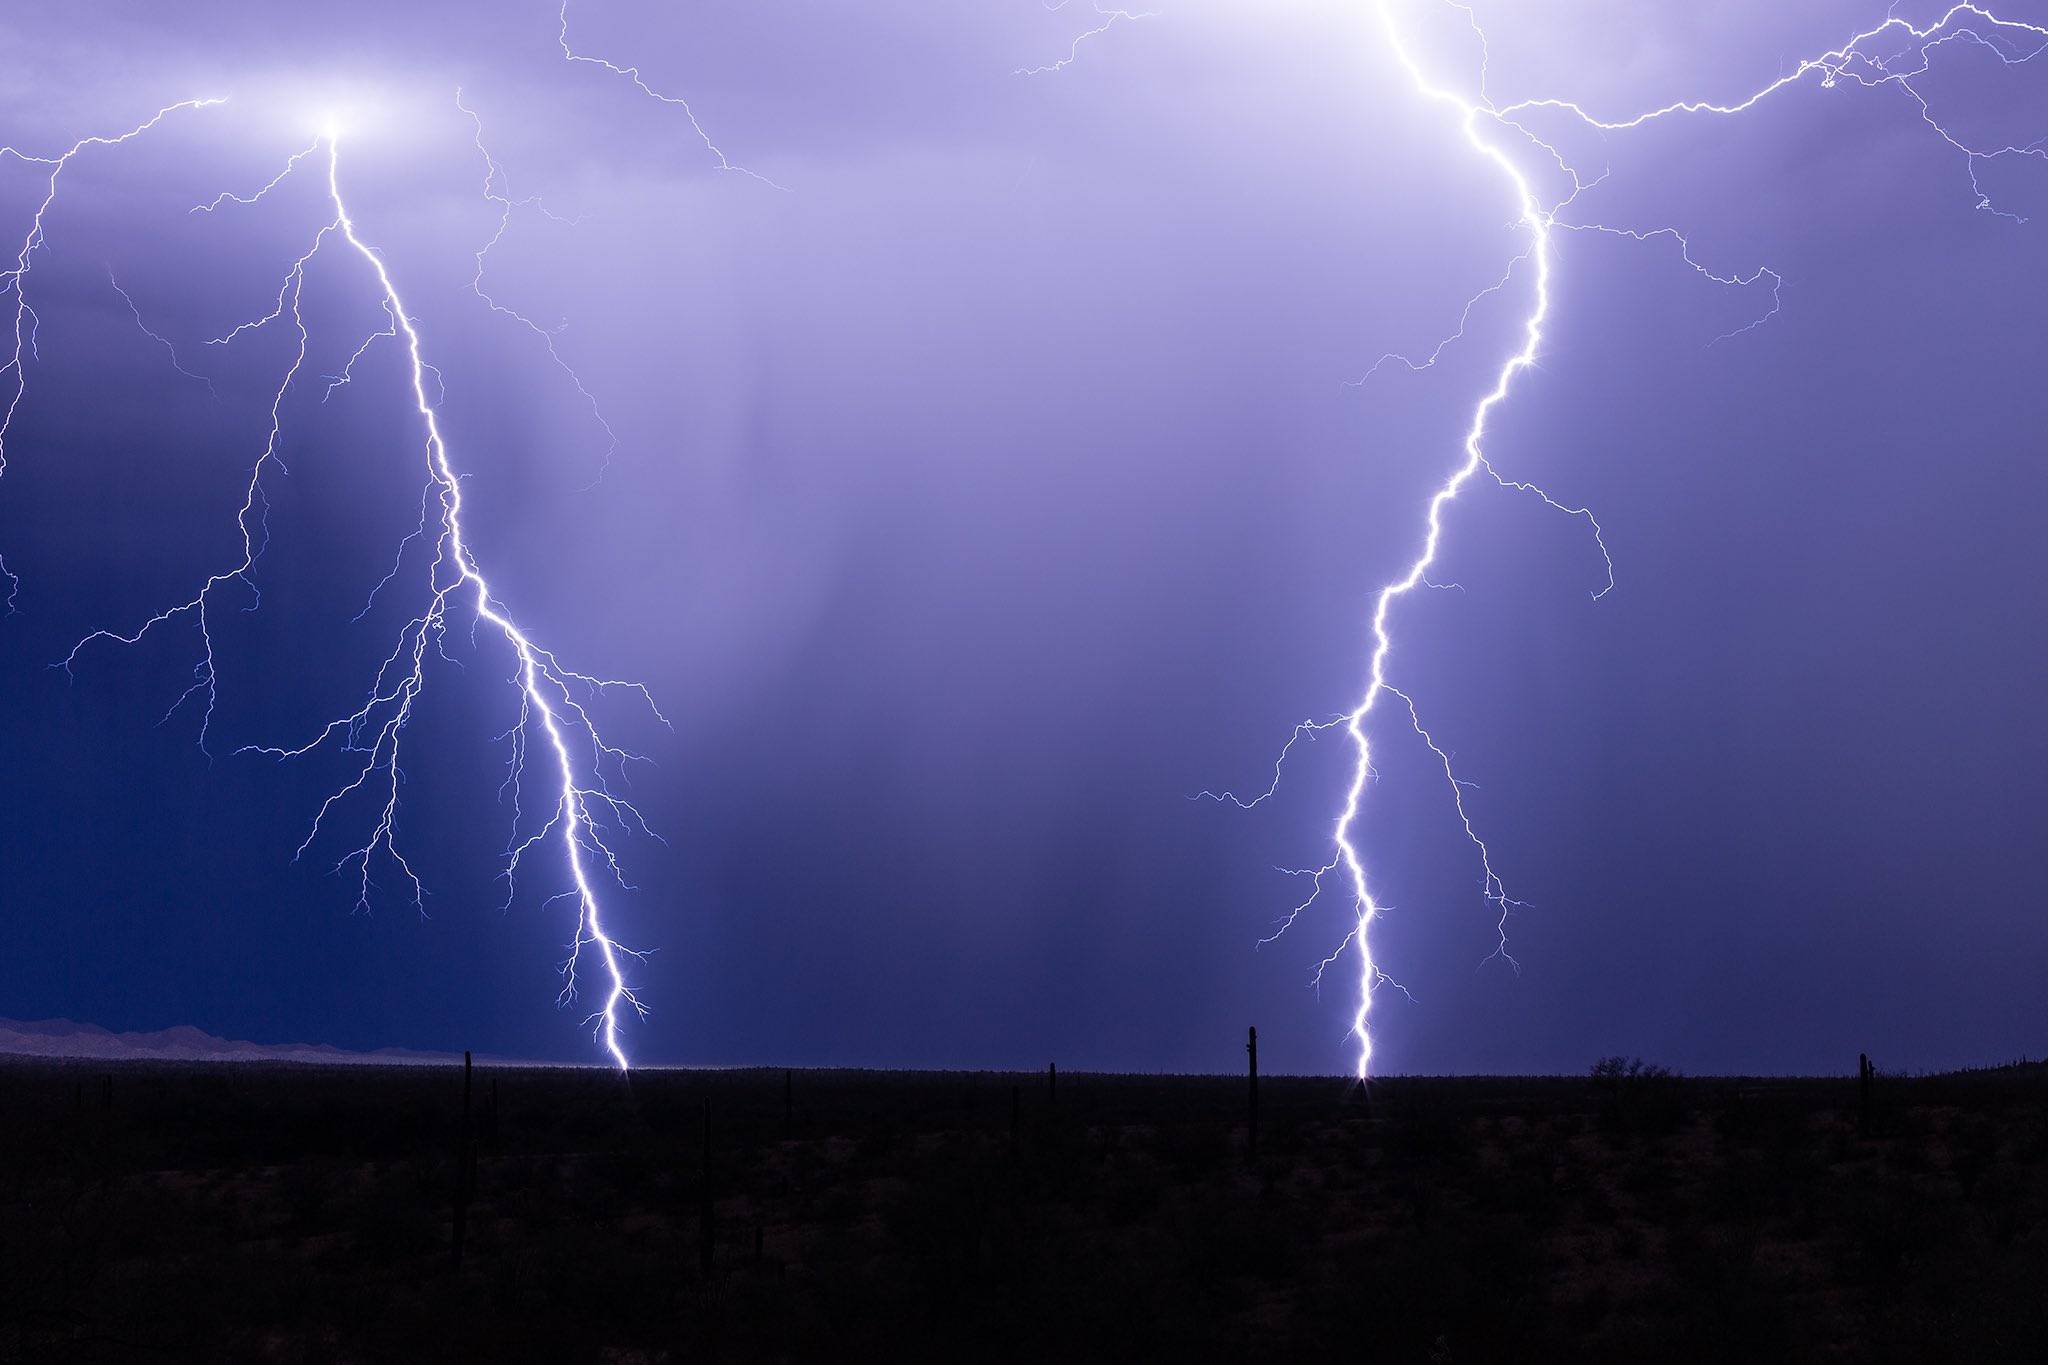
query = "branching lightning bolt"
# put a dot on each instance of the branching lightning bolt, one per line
(632, 73)
(1496, 134)
(169, 348)
(1110, 19)
(15, 279)
(498, 192)
(585, 811)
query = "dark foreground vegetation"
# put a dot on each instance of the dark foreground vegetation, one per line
(288, 1213)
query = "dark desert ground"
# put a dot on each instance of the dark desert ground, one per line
(281, 1212)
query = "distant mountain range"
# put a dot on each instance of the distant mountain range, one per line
(63, 1038)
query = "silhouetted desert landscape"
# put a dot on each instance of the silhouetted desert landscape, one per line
(291, 1212)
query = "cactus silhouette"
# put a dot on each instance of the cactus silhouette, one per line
(1251, 1048)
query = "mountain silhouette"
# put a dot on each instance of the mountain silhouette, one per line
(181, 1043)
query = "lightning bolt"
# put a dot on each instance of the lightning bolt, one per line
(497, 192)
(165, 343)
(15, 279)
(1894, 53)
(1110, 19)
(548, 692)
(585, 811)
(555, 732)
(632, 74)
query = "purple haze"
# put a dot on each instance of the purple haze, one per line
(1000, 485)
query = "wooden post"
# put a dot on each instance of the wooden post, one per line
(1864, 1072)
(1251, 1048)
(465, 1148)
(707, 1235)
(1052, 1082)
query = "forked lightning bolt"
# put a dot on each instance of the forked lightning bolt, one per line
(15, 279)
(632, 73)
(1110, 19)
(1895, 52)
(583, 811)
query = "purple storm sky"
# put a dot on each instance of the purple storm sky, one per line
(1000, 483)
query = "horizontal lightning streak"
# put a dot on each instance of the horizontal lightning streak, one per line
(1110, 19)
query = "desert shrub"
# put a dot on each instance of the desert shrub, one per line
(1637, 1096)
(1426, 1135)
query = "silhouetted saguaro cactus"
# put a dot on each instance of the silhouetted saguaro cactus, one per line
(1251, 1048)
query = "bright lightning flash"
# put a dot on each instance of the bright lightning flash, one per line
(584, 811)
(1894, 53)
